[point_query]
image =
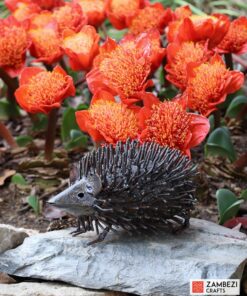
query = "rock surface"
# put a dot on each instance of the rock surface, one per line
(10, 237)
(154, 265)
(46, 289)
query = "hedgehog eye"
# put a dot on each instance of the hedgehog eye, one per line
(80, 195)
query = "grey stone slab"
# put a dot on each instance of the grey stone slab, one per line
(142, 265)
(10, 237)
(45, 289)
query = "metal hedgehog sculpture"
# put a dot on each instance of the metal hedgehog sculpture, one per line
(143, 188)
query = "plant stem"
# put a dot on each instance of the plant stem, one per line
(49, 67)
(228, 60)
(63, 65)
(80, 81)
(217, 119)
(5, 133)
(11, 83)
(164, 73)
(104, 31)
(50, 134)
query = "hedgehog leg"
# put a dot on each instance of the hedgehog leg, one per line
(78, 227)
(89, 226)
(101, 236)
(178, 229)
(187, 222)
(97, 226)
(79, 230)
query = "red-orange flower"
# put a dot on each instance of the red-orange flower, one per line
(22, 10)
(209, 83)
(179, 55)
(169, 124)
(81, 47)
(179, 14)
(121, 71)
(70, 16)
(41, 90)
(157, 52)
(235, 41)
(13, 45)
(153, 16)
(49, 4)
(199, 28)
(107, 120)
(182, 12)
(119, 11)
(46, 44)
(41, 20)
(94, 10)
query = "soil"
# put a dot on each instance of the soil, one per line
(46, 179)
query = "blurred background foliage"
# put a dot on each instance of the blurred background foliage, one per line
(3, 10)
(233, 8)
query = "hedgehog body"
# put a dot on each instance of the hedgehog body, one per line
(142, 188)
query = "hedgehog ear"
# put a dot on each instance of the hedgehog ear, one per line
(94, 184)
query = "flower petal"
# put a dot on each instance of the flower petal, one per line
(27, 73)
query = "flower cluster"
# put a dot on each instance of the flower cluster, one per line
(122, 75)
(194, 64)
(51, 30)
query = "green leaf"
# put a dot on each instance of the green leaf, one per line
(73, 74)
(235, 106)
(74, 134)
(4, 12)
(160, 75)
(70, 130)
(227, 11)
(8, 110)
(33, 201)
(82, 107)
(166, 3)
(22, 141)
(193, 8)
(243, 194)
(4, 112)
(225, 199)
(116, 34)
(167, 93)
(230, 97)
(68, 123)
(231, 212)
(240, 5)
(219, 3)
(79, 142)
(211, 122)
(219, 143)
(18, 179)
(78, 139)
(40, 122)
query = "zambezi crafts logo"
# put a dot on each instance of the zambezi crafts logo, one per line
(215, 287)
